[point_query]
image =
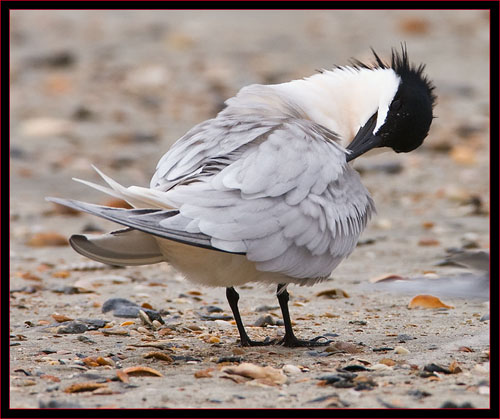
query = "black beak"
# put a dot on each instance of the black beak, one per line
(364, 139)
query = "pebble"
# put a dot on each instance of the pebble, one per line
(85, 339)
(401, 350)
(263, 321)
(318, 353)
(213, 309)
(223, 324)
(93, 324)
(122, 307)
(69, 290)
(265, 308)
(382, 349)
(229, 359)
(290, 369)
(349, 380)
(485, 317)
(453, 405)
(215, 317)
(55, 59)
(419, 394)
(380, 367)
(72, 327)
(57, 404)
(436, 368)
(353, 368)
(403, 338)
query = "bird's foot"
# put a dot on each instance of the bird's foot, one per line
(293, 342)
(266, 342)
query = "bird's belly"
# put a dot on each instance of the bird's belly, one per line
(213, 268)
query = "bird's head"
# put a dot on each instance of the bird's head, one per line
(404, 121)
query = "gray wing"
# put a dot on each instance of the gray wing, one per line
(289, 201)
(145, 220)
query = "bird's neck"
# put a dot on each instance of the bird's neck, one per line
(343, 99)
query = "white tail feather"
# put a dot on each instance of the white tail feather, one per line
(136, 196)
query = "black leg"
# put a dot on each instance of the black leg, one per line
(232, 298)
(289, 339)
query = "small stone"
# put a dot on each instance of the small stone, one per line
(290, 369)
(93, 324)
(72, 327)
(401, 350)
(353, 368)
(213, 309)
(85, 339)
(57, 404)
(419, 394)
(223, 324)
(229, 359)
(263, 321)
(403, 338)
(436, 368)
(380, 367)
(122, 307)
(453, 405)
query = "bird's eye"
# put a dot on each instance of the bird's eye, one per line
(395, 105)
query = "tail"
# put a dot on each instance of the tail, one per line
(126, 247)
(166, 224)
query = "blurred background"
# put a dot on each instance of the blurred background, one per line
(117, 88)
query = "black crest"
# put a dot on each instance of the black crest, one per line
(402, 66)
(409, 72)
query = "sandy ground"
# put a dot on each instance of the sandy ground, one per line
(116, 89)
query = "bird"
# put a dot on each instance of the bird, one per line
(265, 191)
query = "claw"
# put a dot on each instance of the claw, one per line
(293, 342)
(267, 341)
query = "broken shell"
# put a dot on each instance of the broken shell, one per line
(257, 372)
(204, 373)
(427, 301)
(60, 318)
(145, 318)
(159, 355)
(123, 377)
(333, 293)
(142, 371)
(80, 387)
